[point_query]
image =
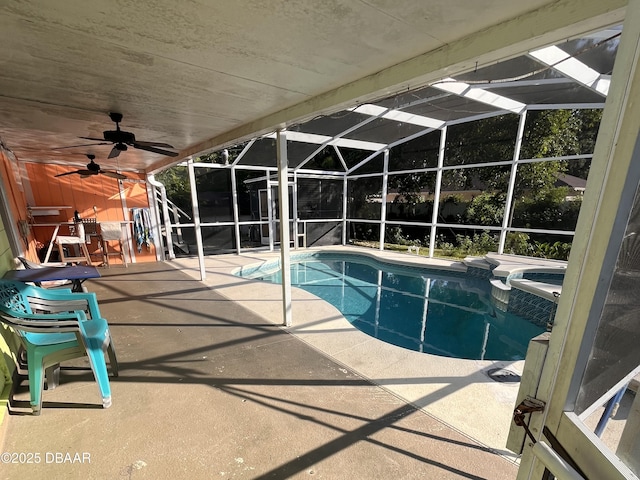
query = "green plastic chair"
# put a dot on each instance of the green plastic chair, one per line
(54, 326)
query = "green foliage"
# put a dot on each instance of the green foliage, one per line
(327, 159)
(548, 133)
(537, 178)
(455, 199)
(491, 139)
(547, 209)
(213, 157)
(447, 249)
(554, 133)
(517, 243)
(479, 244)
(360, 193)
(213, 180)
(520, 244)
(176, 182)
(394, 235)
(457, 179)
(486, 209)
(476, 245)
(556, 250)
(365, 231)
(411, 187)
(421, 152)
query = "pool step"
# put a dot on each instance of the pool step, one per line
(500, 294)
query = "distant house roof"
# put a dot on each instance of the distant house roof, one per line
(564, 180)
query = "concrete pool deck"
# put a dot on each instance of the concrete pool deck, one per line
(458, 392)
(210, 389)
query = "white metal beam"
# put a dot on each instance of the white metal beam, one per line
(383, 204)
(561, 61)
(196, 218)
(506, 218)
(285, 255)
(326, 140)
(398, 116)
(436, 193)
(480, 95)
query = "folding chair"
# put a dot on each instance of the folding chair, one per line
(112, 232)
(74, 241)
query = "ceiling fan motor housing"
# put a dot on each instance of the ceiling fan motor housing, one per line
(93, 167)
(119, 136)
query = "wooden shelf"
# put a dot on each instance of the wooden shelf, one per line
(43, 211)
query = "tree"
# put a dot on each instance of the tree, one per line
(486, 209)
(548, 133)
(556, 133)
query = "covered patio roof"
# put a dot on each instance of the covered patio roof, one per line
(359, 75)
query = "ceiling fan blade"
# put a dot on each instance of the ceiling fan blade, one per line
(114, 152)
(152, 144)
(82, 145)
(117, 175)
(154, 150)
(66, 173)
(94, 139)
(86, 172)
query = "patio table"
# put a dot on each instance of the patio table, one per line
(76, 274)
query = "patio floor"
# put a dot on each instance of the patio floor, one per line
(210, 388)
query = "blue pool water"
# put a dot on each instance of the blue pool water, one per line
(430, 311)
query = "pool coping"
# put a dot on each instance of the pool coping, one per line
(458, 392)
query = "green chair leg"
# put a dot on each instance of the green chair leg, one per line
(36, 380)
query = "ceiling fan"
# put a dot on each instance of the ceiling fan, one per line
(121, 140)
(94, 169)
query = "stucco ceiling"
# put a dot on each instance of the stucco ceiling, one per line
(202, 74)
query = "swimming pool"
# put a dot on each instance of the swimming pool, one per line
(427, 310)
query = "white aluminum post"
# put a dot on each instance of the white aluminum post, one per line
(155, 227)
(383, 203)
(127, 218)
(436, 193)
(295, 211)
(508, 205)
(270, 213)
(196, 218)
(236, 214)
(344, 210)
(285, 257)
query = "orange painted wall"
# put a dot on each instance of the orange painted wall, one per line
(16, 201)
(82, 194)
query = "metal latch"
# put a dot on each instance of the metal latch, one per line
(528, 405)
